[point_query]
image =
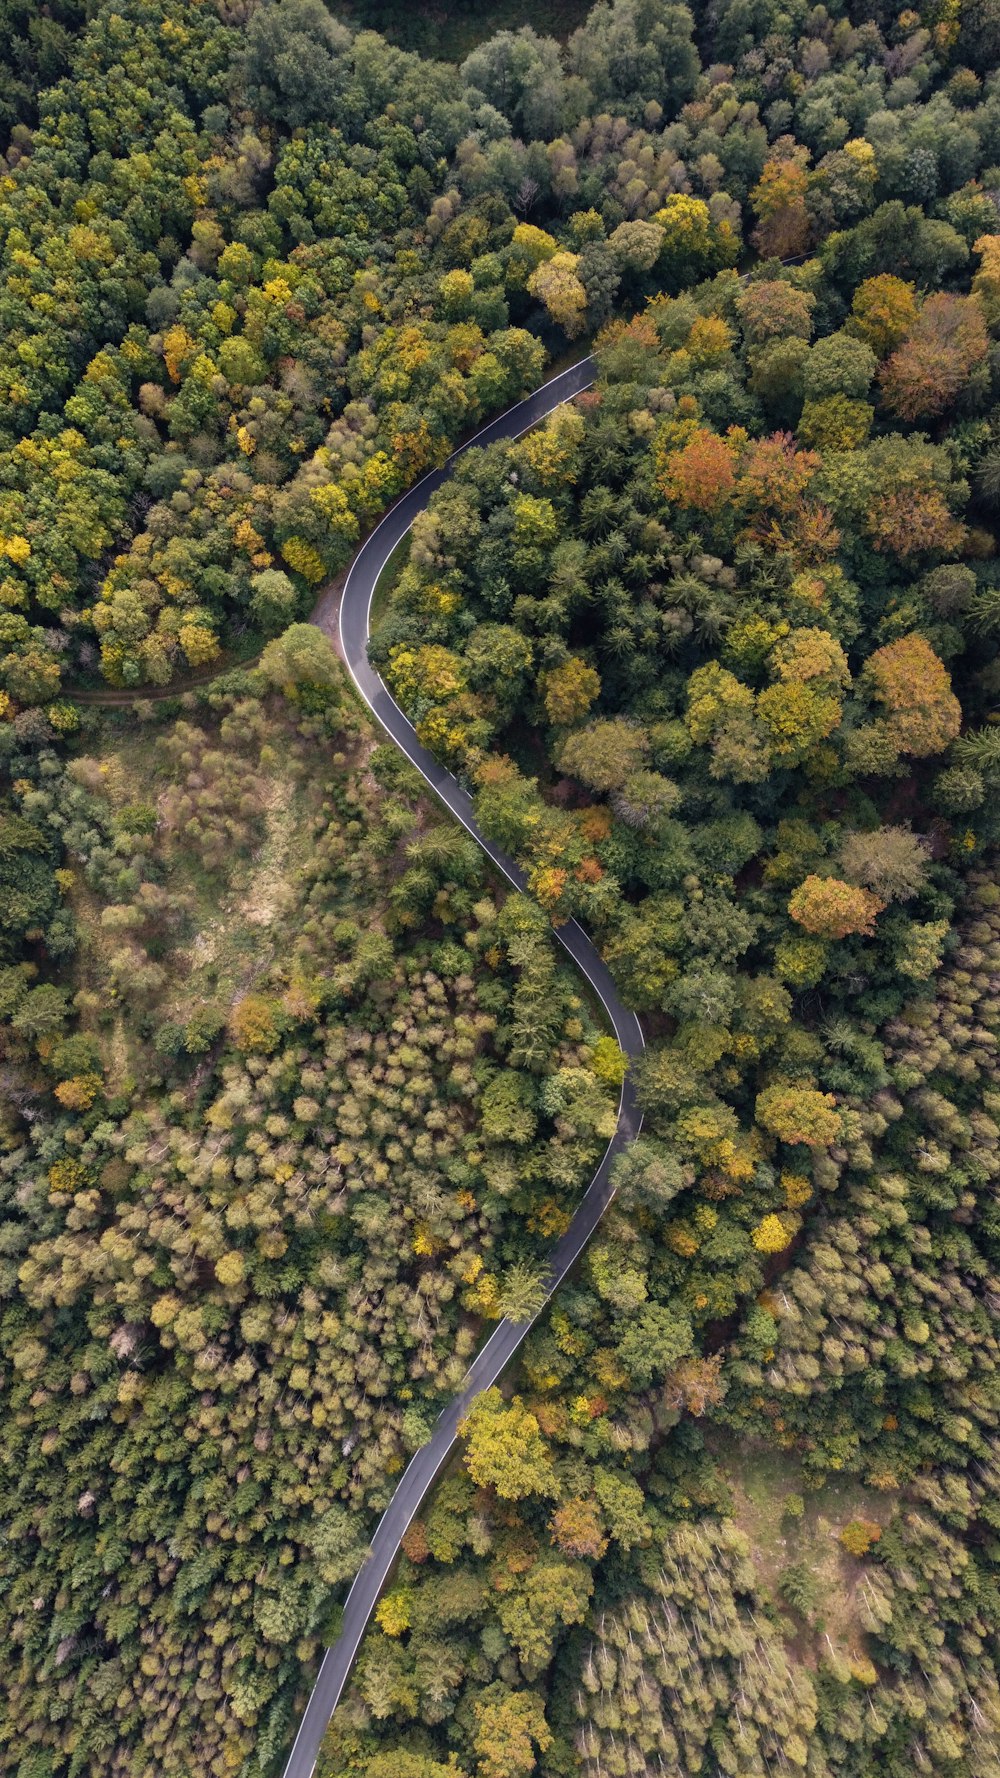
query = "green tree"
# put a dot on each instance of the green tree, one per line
(604, 754)
(302, 657)
(273, 600)
(295, 61)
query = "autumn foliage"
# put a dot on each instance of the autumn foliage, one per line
(297, 1096)
(578, 1530)
(799, 1114)
(570, 690)
(504, 1447)
(884, 311)
(833, 909)
(914, 685)
(701, 474)
(778, 199)
(914, 519)
(931, 366)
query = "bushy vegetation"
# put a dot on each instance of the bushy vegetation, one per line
(295, 1101)
(241, 316)
(325, 1106)
(451, 32)
(739, 1599)
(742, 598)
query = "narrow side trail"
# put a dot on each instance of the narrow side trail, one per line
(354, 617)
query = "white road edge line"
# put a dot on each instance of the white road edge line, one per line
(503, 1327)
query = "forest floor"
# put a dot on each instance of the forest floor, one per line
(385, 585)
(788, 1523)
(449, 29)
(225, 929)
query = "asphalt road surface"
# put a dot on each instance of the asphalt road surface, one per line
(427, 1463)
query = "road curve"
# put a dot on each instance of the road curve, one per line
(427, 1463)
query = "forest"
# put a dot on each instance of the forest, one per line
(295, 1095)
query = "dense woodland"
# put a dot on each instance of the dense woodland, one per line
(295, 1099)
(261, 1214)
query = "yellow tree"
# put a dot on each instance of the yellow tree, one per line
(883, 312)
(531, 246)
(986, 282)
(830, 908)
(552, 451)
(799, 1114)
(510, 1726)
(556, 284)
(924, 715)
(694, 243)
(504, 1448)
(779, 200)
(569, 690)
(797, 717)
(771, 1235)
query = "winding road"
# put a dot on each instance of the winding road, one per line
(426, 1465)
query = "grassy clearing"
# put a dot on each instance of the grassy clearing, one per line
(230, 918)
(788, 1526)
(449, 31)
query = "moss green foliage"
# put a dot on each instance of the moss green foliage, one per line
(740, 600)
(452, 31)
(295, 1103)
(36, 44)
(251, 1235)
(858, 1623)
